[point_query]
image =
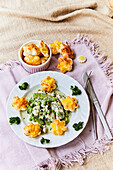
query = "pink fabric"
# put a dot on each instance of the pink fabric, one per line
(16, 154)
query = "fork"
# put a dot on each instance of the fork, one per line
(92, 109)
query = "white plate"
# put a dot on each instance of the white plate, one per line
(63, 82)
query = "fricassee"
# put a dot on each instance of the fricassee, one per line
(44, 108)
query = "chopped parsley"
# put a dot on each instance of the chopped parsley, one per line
(78, 126)
(15, 120)
(75, 90)
(24, 86)
(43, 140)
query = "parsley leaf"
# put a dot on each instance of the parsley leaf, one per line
(78, 126)
(15, 120)
(24, 86)
(75, 90)
(43, 140)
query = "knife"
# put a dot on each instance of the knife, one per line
(96, 104)
(92, 108)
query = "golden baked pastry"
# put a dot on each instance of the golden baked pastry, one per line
(65, 64)
(66, 50)
(58, 47)
(31, 49)
(36, 54)
(32, 130)
(70, 103)
(43, 48)
(32, 60)
(19, 103)
(58, 127)
(48, 84)
(53, 48)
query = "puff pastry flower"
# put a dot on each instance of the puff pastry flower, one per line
(65, 64)
(55, 47)
(58, 47)
(32, 130)
(31, 49)
(58, 127)
(70, 103)
(43, 48)
(48, 84)
(19, 103)
(32, 60)
(66, 50)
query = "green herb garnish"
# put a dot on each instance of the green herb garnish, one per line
(24, 86)
(78, 126)
(15, 120)
(75, 90)
(43, 140)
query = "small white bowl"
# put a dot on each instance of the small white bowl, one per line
(31, 68)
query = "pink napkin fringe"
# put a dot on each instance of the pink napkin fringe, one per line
(100, 146)
(67, 161)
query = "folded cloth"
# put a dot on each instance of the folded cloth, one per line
(47, 10)
(15, 153)
(53, 11)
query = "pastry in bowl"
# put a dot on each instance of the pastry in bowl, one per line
(35, 56)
